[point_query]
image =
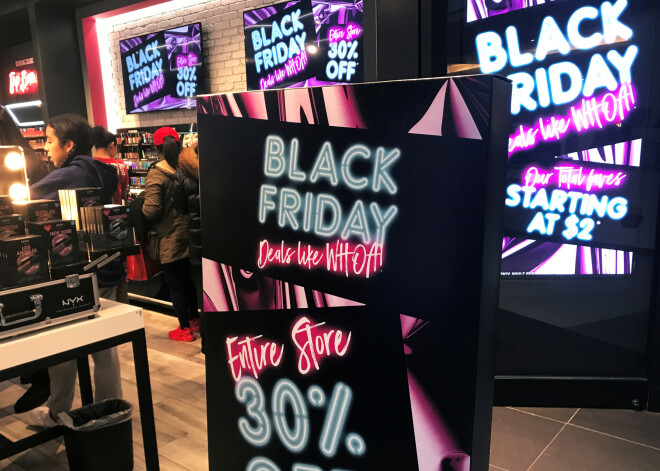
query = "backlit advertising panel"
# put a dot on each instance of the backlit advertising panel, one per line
(304, 43)
(162, 70)
(360, 273)
(580, 84)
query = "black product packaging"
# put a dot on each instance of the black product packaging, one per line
(74, 200)
(38, 210)
(12, 225)
(61, 240)
(5, 205)
(108, 226)
(23, 260)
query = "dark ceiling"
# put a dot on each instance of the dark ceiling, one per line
(15, 22)
(7, 6)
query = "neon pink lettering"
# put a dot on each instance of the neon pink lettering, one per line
(251, 355)
(315, 342)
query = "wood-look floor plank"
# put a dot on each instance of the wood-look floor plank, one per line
(165, 463)
(187, 417)
(187, 451)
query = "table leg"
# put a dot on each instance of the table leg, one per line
(146, 404)
(85, 380)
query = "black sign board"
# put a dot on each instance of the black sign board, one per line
(386, 194)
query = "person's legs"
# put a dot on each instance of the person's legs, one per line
(63, 379)
(177, 279)
(37, 393)
(191, 294)
(122, 292)
(109, 292)
(193, 313)
(62, 384)
(107, 379)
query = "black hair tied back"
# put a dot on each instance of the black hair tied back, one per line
(102, 137)
(171, 150)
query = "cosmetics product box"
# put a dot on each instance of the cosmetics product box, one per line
(38, 210)
(23, 260)
(5, 205)
(73, 200)
(61, 240)
(12, 225)
(108, 226)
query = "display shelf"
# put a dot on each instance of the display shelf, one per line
(137, 150)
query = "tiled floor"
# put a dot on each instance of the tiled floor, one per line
(536, 439)
(523, 439)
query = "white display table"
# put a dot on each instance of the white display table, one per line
(113, 325)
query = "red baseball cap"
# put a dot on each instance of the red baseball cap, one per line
(160, 134)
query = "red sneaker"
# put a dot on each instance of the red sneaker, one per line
(182, 335)
(194, 324)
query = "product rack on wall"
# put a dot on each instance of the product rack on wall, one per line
(136, 148)
(36, 136)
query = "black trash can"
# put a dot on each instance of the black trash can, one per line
(99, 437)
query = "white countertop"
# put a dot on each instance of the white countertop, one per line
(111, 320)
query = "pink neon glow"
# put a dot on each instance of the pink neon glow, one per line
(348, 33)
(589, 113)
(572, 177)
(23, 82)
(434, 439)
(314, 342)
(156, 85)
(361, 260)
(186, 60)
(252, 355)
(291, 68)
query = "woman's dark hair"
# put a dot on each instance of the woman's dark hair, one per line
(74, 128)
(170, 150)
(10, 135)
(102, 137)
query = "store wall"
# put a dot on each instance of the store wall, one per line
(223, 45)
(57, 57)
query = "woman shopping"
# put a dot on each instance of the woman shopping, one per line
(167, 190)
(69, 145)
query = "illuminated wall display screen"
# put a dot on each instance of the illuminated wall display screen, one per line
(304, 43)
(352, 198)
(23, 82)
(480, 9)
(580, 81)
(163, 70)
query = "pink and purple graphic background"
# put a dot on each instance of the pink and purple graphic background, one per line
(455, 109)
